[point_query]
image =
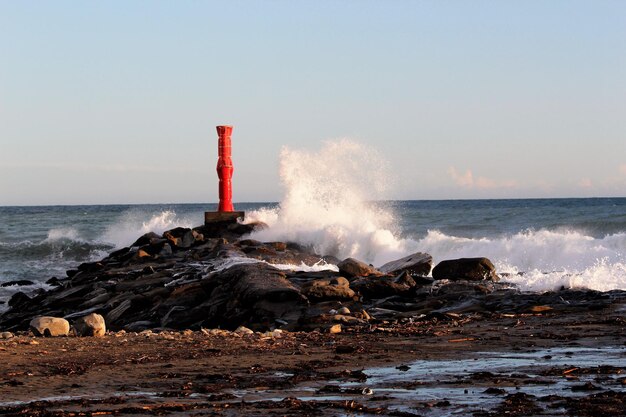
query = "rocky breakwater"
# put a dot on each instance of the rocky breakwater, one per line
(213, 276)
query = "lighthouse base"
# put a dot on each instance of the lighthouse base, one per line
(223, 216)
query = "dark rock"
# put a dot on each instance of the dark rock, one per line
(181, 237)
(53, 281)
(138, 326)
(146, 239)
(90, 267)
(417, 264)
(250, 242)
(471, 269)
(251, 294)
(354, 268)
(381, 287)
(18, 299)
(19, 282)
(121, 252)
(329, 289)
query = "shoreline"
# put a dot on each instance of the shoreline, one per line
(314, 373)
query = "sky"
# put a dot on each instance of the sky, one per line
(117, 102)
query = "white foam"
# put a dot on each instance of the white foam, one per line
(548, 259)
(133, 224)
(68, 233)
(220, 264)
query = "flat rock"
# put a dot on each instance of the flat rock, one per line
(417, 264)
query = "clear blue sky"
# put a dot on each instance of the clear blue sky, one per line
(116, 101)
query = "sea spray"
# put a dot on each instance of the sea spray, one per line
(328, 203)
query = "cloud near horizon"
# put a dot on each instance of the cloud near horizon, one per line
(468, 180)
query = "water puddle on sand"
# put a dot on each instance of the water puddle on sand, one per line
(433, 388)
(66, 398)
(455, 387)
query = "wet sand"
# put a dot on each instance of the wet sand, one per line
(544, 364)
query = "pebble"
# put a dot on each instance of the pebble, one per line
(6, 335)
(335, 329)
(343, 310)
(243, 330)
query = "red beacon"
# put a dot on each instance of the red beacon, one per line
(225, 210)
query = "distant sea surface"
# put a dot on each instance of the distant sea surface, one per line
(541, 243)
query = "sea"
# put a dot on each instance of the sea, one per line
(537, 244)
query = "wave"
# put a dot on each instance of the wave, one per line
(541, 260)
(327, 205)
(132, 224)
(60, 244)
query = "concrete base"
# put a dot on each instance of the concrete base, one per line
(223, 216)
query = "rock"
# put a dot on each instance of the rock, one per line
(6, 335)
(243, 330)
(335, 329)
(329, 289)
(90, 267)
(54, 281)
(146, 239)
(166, 250)
(49, 326)
(19, 282)
(255, 295)
(18, 299)
(181, 237)
(344, 310)
(417, 264)
(354, 268)
(471, 269)
(138, 326)
(115, 314)
(91, 325)
(198, 237)
(381, 287)
(278, 246)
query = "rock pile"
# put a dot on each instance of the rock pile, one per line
(214, 277)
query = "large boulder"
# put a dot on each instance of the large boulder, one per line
(90, 325)
(417, 264)
(49, 326)
(471, 269)
(351, 267)
(328, 289)
(255, 295)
